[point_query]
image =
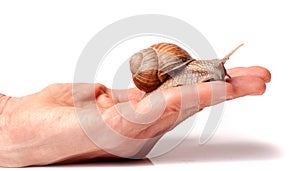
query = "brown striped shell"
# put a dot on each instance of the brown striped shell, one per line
(152, 66)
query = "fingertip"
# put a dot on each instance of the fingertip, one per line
(100, 88)
(247, 85)
(262, 72)
(260, 88)
(257, 71)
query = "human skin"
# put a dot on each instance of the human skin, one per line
(43, 128)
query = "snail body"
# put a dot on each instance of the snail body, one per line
(165, 65)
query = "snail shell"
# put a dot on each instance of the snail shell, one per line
(152, 66)
(166, 65)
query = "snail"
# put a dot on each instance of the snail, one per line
(166, 65)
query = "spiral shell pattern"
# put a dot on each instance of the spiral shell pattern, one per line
(152, 66)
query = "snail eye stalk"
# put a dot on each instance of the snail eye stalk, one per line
(226, 58)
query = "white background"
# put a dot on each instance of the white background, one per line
(40, 43)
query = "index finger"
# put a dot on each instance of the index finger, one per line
(256, 71)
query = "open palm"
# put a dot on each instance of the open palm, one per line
(45, 127)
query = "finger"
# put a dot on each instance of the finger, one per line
(257, 71)
(211, 93)
(84, 92)
(247, 85)
(202, 94)
(107, 97)
(124, 95)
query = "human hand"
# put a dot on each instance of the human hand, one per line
(53, 125)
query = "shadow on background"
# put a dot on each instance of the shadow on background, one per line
(108, 163)
(218, 151)
(189, 150)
